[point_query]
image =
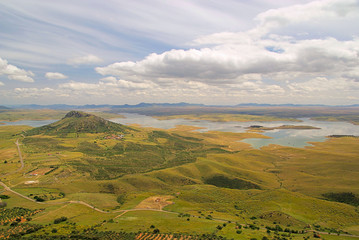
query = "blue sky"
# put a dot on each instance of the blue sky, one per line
(199, 51)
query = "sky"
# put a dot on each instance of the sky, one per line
(197, 51)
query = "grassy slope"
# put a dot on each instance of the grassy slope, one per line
(291, 180)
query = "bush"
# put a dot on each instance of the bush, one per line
(39, 199)
(14, 224)
(59, 220)
(4, 197)
(3, 204)
(121, 199)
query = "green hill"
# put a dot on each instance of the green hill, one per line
(79, 122)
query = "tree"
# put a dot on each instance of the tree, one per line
(59, 220)
(3, 204)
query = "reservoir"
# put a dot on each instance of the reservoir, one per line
(285, 137)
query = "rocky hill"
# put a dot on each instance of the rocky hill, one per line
(79, 122)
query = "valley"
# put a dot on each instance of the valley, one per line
(130, 181)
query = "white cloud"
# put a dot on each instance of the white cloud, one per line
(15, 73)
(88, 59)
(109, 79)
(312, 12)
(323, 84)
(55, 75)
(228, 63)
(2, 84)
(34, 92)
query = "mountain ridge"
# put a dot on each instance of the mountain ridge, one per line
(180, 104)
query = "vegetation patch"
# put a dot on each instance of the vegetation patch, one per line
(16, 214)
(17, 231)
(41, 171)
(232, 183)
(281, 218)
(2, 196)
(343, 197)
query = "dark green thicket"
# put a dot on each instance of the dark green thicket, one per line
(232, 183)
(343, 197)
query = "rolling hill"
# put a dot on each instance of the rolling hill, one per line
(79, 122)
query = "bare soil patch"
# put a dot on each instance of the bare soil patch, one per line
(155, 202)
(40, 171)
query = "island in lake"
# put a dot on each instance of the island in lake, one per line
(297, 127)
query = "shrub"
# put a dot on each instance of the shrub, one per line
(60, 219)
(121, 199)
(3, 204)
(39, 199)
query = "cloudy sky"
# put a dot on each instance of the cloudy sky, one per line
(196, 51)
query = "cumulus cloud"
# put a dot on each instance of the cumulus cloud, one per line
(228, 63)
(259, 61)
(15, 73)
(323, 84)
(311, 12)
(84, 60)
(55, 75)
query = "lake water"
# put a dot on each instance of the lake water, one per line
(285, 137)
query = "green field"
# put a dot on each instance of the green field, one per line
(219, 185)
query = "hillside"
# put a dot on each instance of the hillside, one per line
(72, 181)
(79, 122)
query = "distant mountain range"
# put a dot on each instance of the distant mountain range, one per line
(148, 105)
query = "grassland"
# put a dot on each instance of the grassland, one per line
(354, 119)
(217, 184)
